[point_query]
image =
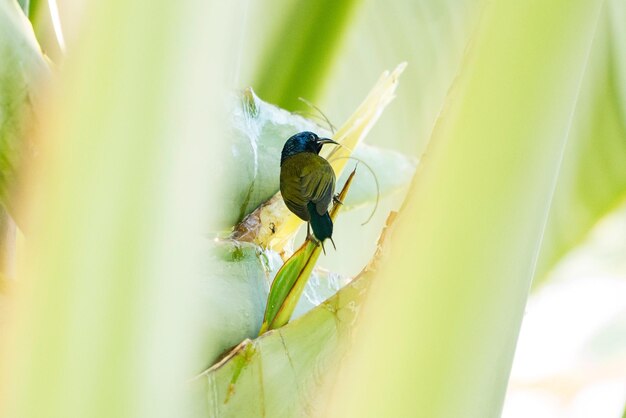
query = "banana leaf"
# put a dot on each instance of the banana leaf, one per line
(308, 32)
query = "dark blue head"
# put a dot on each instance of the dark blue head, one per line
(303, 142)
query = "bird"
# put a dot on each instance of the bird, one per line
(307, 183)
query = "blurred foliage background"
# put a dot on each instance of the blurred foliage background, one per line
(117, 119)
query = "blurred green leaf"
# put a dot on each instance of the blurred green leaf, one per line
(25, 5)
(33, 5)
(592, 181)
(22, 73)
(130, 246)
(468, 237)
(298, 55)
(40, 15)
(431, 36)
(8, 231)
(119, 192)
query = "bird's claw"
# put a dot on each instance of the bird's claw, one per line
(336, 200)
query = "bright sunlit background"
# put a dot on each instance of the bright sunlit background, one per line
(571, 354)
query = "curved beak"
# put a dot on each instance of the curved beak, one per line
(326, 141)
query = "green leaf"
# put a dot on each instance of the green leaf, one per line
(280, 373)
(22, 73)
(439, 332)
(592, 181)
(33, 6)
(231, 271)
(299, 53)
(122, 186)
(51, 19)
(431, 36)
(242, 272)
(288, 285)
(277, 374)
(25, 5)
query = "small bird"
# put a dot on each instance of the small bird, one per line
(307, 182)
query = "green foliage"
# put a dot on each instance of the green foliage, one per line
(280, 374)
(22, 69)
(128, 193)
(439, 332)
(592, 181)
(431, 36)
(230, 272)
(288, 285)
(299, 54)
(25, 5)
(242, 272)
(117, 198)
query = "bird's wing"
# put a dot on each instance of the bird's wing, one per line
(317, 180)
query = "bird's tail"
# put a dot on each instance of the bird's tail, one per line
(322, 225)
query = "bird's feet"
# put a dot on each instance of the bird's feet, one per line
(336, 200)
(317, 242)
